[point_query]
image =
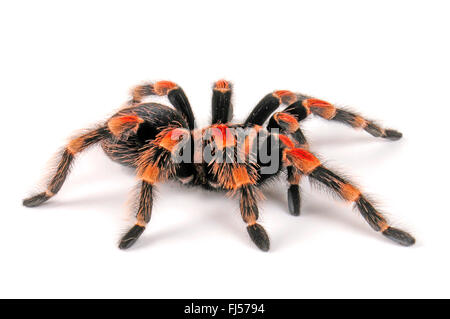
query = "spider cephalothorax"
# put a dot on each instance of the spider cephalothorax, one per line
(161, 142)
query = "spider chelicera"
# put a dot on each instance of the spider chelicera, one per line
(162, 142)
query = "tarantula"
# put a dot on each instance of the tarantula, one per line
(162, 142)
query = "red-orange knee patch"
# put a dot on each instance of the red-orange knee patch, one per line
(164, 87)
(302, 159)
(287, 120)
(320, 107)
(350, 192)
(169, 140)
(285, 96)
(286, 141)
(151, 174)
(222, 85)
(241, 176)
(223, 136)
(117, 125)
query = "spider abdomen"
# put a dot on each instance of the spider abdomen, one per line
(155, 118)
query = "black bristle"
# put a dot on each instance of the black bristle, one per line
(297, 109)
(259, 236)
(180, 101)
(294, 200)
(221, 107)
(370, 214)
(262, 110)
(392, 135)
(373, 129)
(327, 178)
(35, 200)
(399, 236)
(344, 116)
(131, 236)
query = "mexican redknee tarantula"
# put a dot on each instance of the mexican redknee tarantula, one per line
(162, 143)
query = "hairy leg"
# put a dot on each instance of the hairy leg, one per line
(268, 105)
(309, 165)
(66, 157)
(221, 107)
(291, 136)
(329, 112)
(143, 216)
(249, 212)
(175, 94)
(294, 191)
(300, 106)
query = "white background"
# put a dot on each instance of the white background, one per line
(65, 66)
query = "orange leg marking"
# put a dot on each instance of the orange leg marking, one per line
(320, 107)
(164, 87)
(75, 145)
(286, 141)
(172, 138)
(223, 136)
(286, 97)
(241, 177)
(288, 120)
(302, 159)
(359, 121)
(349, 192)
(151, 174)
(222, 85)
(117, 125)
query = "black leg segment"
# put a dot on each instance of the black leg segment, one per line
(399, 236)
(294, 195)
(143, 216)
(180, 101)
(259, 236)
(174, 93)
(268, 105)
(294, 200)
(221, 107)
(66, 157)
(249, 212)
(131, 236)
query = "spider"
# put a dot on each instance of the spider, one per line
(162, 142)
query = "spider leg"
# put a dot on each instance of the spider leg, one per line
(330, 112)
(174, 93)
(294, 191)
(249, 212)
(66, 157)
(309, 165)
(301, 106)
(286, 124)
(268, 105)
(221, 107)
(143, 216)
(153, 165)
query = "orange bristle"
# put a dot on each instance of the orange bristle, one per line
(171, 139)
(286, 97)
(291, 121)
(118, 125)
(163, 87)
(316, 103)
(302, 159)
(222, 85)
(286, 141)
(223, 136)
